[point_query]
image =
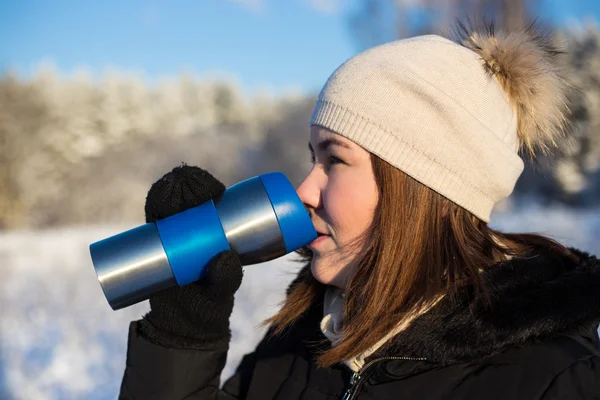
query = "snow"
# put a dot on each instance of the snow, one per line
(59, 339)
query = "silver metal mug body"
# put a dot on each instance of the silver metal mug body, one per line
(131, 266)
(250, 222)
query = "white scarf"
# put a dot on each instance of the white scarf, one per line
(331, 325)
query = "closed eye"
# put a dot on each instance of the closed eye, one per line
(335, 160)
(331, 160)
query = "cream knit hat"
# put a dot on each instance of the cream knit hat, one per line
(453, 115)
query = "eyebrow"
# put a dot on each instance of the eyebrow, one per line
(328, 143)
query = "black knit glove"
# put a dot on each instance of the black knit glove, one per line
(195, 315)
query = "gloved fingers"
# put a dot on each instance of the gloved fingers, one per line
(182, 188)
(223, 273)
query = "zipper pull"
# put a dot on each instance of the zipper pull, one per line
(353, 380)
(356, 377)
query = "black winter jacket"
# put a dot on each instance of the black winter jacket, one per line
(537, 341)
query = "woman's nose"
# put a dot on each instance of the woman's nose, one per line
(309, 191)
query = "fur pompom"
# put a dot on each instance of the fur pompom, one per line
(527, 64)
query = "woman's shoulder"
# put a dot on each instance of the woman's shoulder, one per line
(562, 367)
(542, 311)
(552, 354)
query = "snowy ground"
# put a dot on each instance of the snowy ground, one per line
(59, 339)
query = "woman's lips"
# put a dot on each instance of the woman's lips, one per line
(318, 240)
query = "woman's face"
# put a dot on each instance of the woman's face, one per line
(341, 195)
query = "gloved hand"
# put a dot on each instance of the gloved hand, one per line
(195, 315)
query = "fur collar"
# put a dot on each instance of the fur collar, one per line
(534, 299)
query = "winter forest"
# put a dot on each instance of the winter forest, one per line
(79, 151)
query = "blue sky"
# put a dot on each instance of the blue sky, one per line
(277, 44)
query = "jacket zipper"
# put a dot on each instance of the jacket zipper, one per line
(357, 378)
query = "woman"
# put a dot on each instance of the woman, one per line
(407, 292)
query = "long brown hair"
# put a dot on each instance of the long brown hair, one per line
(418, 246)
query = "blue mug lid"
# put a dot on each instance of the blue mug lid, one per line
(296, 226)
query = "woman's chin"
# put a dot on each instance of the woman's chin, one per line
(325, 273)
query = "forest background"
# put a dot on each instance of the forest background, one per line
(99, 101)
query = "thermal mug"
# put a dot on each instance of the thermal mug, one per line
(261, 218)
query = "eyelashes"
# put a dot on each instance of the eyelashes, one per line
(335, 160)
(331, 160)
